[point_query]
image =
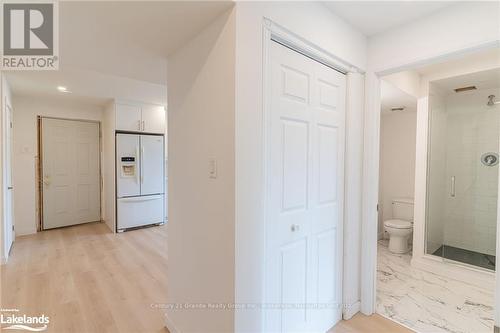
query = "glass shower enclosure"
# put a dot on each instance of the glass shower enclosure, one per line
(462, 169)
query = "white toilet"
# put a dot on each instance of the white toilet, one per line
(400, 227)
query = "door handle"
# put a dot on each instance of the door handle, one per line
(295, 227)
(10, 187)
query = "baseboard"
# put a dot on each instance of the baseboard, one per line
(496, 329)
(170, 325)
(350, 310)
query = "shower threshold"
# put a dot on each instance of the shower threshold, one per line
(466, 256)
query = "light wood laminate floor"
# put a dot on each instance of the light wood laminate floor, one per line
(369, 324)
(87, 279)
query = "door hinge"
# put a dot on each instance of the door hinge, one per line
(377, 207)
(13, 228)
(11, 126)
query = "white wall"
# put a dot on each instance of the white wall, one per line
(457, 27)
(108, 165)
(407, 81)
(2, 219)
(201, 113)
(26, 110)
(314, 22)
(397, 159)
(6, 99)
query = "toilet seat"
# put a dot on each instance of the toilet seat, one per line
(398, 224)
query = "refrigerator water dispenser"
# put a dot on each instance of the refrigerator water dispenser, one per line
(128, 167)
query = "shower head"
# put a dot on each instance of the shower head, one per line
(491, 101)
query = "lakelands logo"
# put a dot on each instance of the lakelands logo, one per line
(15, 321)
(30, 35)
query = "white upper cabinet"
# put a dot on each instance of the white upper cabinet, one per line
(153, 118)
(140, 118)
(128, 117)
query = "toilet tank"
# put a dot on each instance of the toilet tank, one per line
(402, 208)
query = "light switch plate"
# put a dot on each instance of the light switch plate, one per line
(212, 168)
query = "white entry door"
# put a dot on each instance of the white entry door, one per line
(70, 169)
(305, 198)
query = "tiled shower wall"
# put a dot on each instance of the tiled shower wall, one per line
(472, 130)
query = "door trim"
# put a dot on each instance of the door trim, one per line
(274, 33)
(39, 167)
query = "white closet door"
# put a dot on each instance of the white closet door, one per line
(305, 176)
(151, 164)
(70, 163)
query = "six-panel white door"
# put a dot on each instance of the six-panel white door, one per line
(70, 166)
(305, 148)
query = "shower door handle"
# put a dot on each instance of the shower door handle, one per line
(452, 187)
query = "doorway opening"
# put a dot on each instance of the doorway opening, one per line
(435, 272)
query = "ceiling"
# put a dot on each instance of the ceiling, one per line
(117, 49)
(85, 86)
(130, 38)
(482, 80)
(373, 17)
(467, 62)
(391, 96)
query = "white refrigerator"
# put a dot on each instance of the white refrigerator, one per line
(139, 180)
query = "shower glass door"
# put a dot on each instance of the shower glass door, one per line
(462, 173)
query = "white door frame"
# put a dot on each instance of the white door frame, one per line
(371, 158)
(39, 226)
(273, 32)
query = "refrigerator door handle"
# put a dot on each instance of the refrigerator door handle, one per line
(142, 163)
(136, 165)
(141, 199)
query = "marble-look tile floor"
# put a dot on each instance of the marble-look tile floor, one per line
(429, 303)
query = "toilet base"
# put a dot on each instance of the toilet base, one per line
(398, 244)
